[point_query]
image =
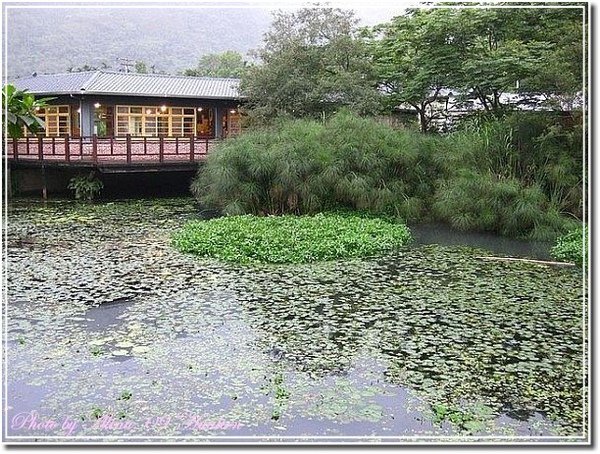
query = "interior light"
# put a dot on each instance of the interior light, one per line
(148, 111)
(97, 105)
(199, 109)
(232, 111)
(37, 109)
(163, 108)
(79, 110)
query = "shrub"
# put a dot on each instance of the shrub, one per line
(518, 176)
(304, 167)
(572, 246)
(86, 187)
(291, 239)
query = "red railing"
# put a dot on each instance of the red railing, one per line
(110, 150)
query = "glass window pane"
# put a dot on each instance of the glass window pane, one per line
(163, 126)
(135, 110)
(122, 109)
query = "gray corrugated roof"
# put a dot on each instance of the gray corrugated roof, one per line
(54, 83)
(113, 83)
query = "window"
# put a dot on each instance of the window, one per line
(153, 121)
(57, 120)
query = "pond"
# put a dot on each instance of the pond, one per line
(114, 335)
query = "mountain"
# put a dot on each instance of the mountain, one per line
(53, 40)
(47, 40)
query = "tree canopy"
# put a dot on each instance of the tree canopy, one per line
(480, 53)
(312, 62)
(226, 64)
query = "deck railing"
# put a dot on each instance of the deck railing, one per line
(110, 150)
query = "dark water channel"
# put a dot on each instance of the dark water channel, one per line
(114, 335)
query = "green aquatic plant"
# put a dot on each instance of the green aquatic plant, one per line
(291, 239)
(86, 187)
(573, 246)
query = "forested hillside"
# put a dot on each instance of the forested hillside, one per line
(172, 39)
(53, 40)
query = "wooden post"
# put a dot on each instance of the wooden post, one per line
(111, 145)
(161, 149)
(128, 140)
(192, 148)
(67, 150)
(27, 143)
(80, 146)
(206, 150)
(95, 149)
(176, 145)
(44, 183)
(16, 148)
(9, 192)
(40, 148)
(53, 146)
(145, 145)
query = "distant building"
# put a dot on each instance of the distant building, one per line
(450, 106)
(114, 104)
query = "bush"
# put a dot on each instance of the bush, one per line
(305, 167)
(291, 239)
(571, 247)
(518, 176)
(86, 187)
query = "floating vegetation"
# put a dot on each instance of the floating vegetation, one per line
(291, 239)
(428, 341)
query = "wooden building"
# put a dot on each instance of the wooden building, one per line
(104, 117)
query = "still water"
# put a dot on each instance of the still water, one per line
(114, 335)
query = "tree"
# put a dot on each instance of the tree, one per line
(226, 64)
(312, 62)
(483, 54)
(415, 61)
(86, 67)
(141, 67)
(19, 109)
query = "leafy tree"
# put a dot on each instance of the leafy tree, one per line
(312, 62)
(226, 64)
(415, 61)
(141, 67)
(484, 53)
(87, 67)
(19, 109)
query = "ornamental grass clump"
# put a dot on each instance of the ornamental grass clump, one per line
(291, 239)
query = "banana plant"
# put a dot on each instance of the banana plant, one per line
(19, 111)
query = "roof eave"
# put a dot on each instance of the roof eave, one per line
(104, 93)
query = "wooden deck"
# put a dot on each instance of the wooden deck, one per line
(102, 152)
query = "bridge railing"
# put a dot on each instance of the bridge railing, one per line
(110, 150)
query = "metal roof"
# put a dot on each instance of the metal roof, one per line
(130, 84)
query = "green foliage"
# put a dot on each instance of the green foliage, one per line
(519, 175)
(573, 246)
(226, 64)
(312, 62)
(19, 111)
(291, 239)
(304, 167)
(480, 52)
(86, 187)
